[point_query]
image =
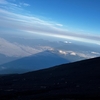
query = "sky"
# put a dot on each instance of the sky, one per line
(68, 19)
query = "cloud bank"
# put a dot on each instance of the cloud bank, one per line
(17, 50)
(12, 18)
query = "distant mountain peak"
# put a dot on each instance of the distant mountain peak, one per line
(38, 61)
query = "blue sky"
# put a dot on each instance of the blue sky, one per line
(69, 19)
(75, 14)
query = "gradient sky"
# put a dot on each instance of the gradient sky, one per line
(69, 19)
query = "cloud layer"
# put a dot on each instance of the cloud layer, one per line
(10, 19)
(17, 50)
(80, 54)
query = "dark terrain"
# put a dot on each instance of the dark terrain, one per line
(74, 81)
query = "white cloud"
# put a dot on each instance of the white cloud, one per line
(28, 23)
(80, 54)
(62, 52)
(12, 6)
(73, 53)
(86, 55)
(95, 53)
(14, 49)
(98, 43)
(59, 24)
(24, 4)
(67, 42)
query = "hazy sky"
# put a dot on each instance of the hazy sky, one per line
(68, 19)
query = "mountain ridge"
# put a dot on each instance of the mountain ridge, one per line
(38, 61)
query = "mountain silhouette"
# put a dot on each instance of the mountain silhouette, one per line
(38, 61)
(75, 81)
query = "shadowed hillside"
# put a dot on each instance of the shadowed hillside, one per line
(38, 61)
(79, 80)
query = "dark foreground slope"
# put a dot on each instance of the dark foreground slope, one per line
(79, 80)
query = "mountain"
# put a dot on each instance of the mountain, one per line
(73, 81)
(38, 61)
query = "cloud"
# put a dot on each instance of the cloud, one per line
(80, 54)
(12, 20)
(59, 24)
(73, 53)
(62, 52)
(12, 5)
(67, 42)
(24, 4)
(95, 53)
(17, 50)
(98, 44)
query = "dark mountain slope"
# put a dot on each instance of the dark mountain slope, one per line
(38, 61)
(79, 80)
